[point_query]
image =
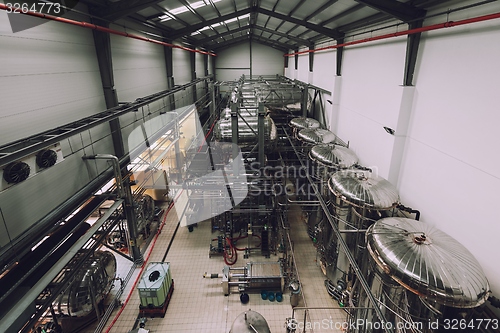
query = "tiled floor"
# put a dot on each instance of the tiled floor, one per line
(198, 304)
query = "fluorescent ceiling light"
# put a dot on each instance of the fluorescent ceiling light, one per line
(183, 9)
(221, 23)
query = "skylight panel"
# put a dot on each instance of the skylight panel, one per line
(179, 10)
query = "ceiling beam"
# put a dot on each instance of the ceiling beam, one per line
(320, 9)
(264, 41)
(219, 46)
(332, 33)
(120, 9)
(343, 14)
(396, 9)
(301, 2)
(204, 41)
(188, 30)
(191, 9)
(362, 23)
(277, 46)
(302, 41)
(93, 3)
(272, 42)
(163, 30)
(151, 25)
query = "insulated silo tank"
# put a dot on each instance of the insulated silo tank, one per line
(309, 137)
(250, 322)
(326, 159)
(300, 123)
(421, 275)
(247, 131)
(282, 96)
(91, 285)
(358, 199)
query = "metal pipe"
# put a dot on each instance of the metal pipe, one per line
(125, 193)
(116, 168)
(347, 231)
(410, 210)
(438, 26)
(304, 202)
(104, 29)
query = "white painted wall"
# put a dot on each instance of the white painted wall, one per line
(139, 67)
(235, 61)
(325, 64)
(443, 158)
(266, 60)
(200, 65)
(303, 73)
(49, 76)
(450, 167)
(182, 66)
(370, 99)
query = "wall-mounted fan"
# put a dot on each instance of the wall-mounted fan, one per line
(16, 172)
(46, 158)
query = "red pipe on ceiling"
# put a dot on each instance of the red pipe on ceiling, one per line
(405, 32)
(104, 29)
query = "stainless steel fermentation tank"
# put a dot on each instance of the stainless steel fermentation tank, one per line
(280, 97)
(310, 137)
(358, 199)
(90, 287)
(300, 123)
(420, 276)
(250, 322)
(306, 139)
(247, 129)
(325, 159)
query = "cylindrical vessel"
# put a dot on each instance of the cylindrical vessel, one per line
(91, 285)
(328, 158)
(300, 123)
(250, 322)
(282, 96)
(420, 274)
(247, 131)
(358, 199)
(310, 137)
(325, 160)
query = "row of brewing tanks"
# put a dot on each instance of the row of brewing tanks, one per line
(382, 265)
(417, 274)
(376, 260)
